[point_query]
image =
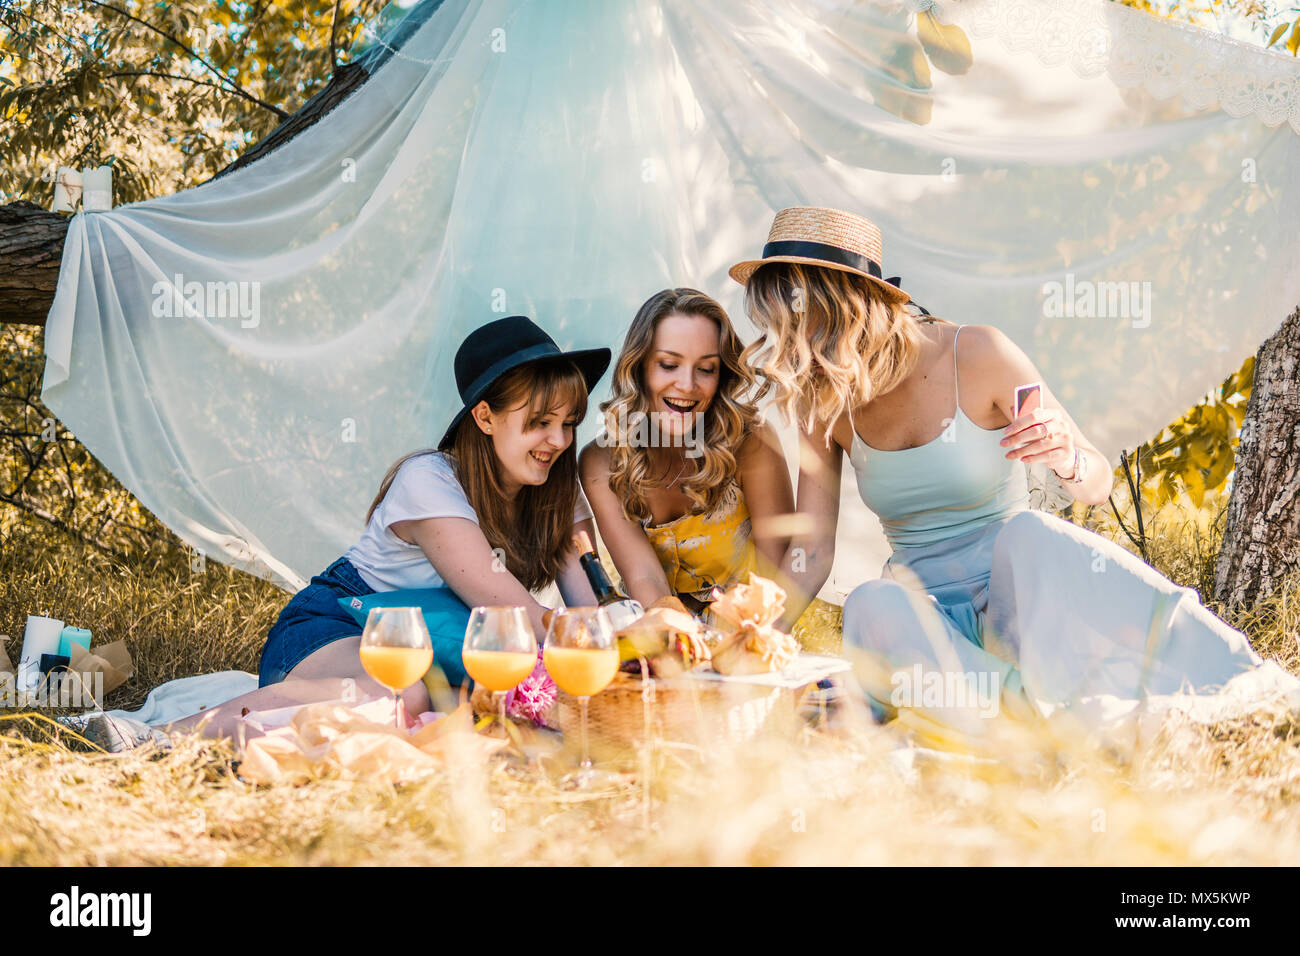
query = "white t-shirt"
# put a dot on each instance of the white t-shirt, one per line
(424, 487)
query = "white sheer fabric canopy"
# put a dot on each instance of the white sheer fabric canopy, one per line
(1116, 192)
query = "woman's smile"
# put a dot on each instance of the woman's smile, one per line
(682, 406)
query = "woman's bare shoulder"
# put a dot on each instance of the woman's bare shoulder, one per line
(761, 441)
(593, 457)
(986, 344)
(994, 365)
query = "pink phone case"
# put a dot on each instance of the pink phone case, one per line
(1024, 394)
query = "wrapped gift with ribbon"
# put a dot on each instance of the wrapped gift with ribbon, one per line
(755, 646)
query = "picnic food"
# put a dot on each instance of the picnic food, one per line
(746, 641)
(760, 602)
(755, 650)
(673, 647)
(669, 640)
(755, 646)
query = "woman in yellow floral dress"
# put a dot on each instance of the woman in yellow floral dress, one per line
(687, 485)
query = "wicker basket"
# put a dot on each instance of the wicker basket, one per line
(702, 713)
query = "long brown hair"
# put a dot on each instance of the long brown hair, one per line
(865, 344)
(727, 421)
(533, 530)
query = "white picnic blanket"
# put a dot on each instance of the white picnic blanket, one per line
(189, 695)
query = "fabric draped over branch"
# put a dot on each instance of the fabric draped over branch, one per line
(1116, 192)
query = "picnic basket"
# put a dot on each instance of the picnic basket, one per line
(704, 711)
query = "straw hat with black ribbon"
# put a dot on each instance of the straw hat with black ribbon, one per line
(830, 238)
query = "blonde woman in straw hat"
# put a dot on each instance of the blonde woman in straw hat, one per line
(924, 408)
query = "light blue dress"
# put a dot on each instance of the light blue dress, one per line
(1015, 600)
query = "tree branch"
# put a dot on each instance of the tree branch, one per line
(189, 79)
(334, 27)
(1136, 496)
(31, 249)
(1123, 527)
(31, 239)
(234, 87)
(39, 512)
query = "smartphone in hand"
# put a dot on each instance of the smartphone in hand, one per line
(1028, 397)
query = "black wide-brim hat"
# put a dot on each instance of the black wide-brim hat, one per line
(494, 349)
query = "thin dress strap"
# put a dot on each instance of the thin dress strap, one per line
(954, 370)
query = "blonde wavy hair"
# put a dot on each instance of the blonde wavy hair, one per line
(728, 420)
(864, 344)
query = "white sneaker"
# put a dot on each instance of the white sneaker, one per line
(117, 734)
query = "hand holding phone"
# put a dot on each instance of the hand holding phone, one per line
(1027, 398)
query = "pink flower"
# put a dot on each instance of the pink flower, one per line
(534, 697)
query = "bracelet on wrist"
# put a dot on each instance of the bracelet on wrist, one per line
(1080, 470)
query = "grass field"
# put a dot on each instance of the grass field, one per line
(1226, 794)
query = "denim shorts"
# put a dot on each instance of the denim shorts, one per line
(310, 620)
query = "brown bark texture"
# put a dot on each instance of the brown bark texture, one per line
(1261, 541)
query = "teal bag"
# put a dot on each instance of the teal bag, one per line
(445, 615)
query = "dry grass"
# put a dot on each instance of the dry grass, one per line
(1224, 794)
(175, 621)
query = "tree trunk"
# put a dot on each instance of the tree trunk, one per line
(31, 238)
(31, 248)
(1261, 542)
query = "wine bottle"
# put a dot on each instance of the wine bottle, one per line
(622, 609)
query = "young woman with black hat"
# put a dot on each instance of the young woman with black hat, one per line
(490, 514)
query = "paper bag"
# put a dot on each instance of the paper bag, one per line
(112, 660)
(755, 646)
(361, 743)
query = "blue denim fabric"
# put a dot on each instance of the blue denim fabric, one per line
(310, 620)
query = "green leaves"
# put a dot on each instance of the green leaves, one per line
(170, 87)
(1195, 454)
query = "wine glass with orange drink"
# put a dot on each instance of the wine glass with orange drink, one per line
(581, 655)
(500, 650)
(396, 650)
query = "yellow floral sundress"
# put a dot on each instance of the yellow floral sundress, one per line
(699, 552)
